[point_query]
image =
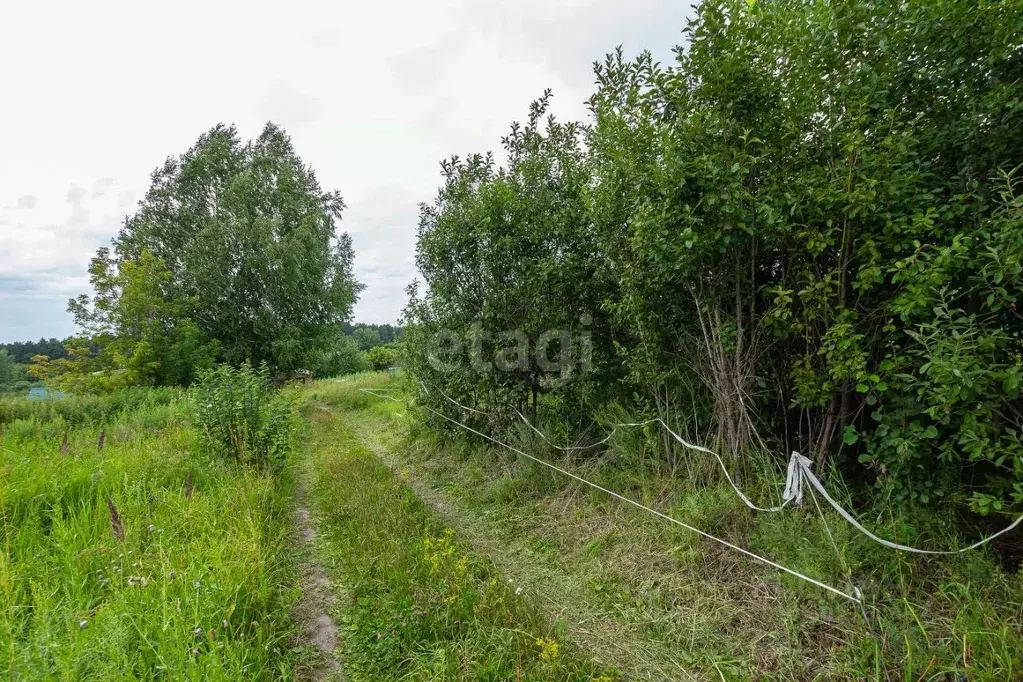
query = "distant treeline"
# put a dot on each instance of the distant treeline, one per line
(23, 351)
(350, 353)
(372, 334)
(361, 347)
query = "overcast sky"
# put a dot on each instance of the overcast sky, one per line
(96, 94)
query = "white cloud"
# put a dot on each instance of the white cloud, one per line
(374, 95)
(24, 201)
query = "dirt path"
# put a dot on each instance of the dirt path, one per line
(561, 596)
(317, 629)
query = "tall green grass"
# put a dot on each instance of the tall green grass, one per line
(928, 618)
(81, 410)
(422, 605)
(198, 588)
(241, 417)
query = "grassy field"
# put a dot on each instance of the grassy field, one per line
(421, 603)
(131, 552)
(114, 566)
(660, 603)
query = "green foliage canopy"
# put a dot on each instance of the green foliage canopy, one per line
(808, 226)
(7, 367)
(23, 351)
(343, 357)
(235, 244)
(383, 357)
(366, 337)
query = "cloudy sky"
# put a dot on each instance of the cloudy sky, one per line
(97, 94)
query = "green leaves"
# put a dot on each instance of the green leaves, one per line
(773, 227)
(7, 371)
(247, 248)
(241, 417)
(507, 254)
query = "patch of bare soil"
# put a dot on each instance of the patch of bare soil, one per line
(317, 630)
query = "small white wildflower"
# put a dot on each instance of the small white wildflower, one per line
(151, 528)
(518, 591)
(84, 624)
(198, 631)
(173, 574)
(198, 584)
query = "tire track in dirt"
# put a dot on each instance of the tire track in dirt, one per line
(317, 628)
(562, 598)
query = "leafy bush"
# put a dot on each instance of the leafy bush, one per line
(16, 387)
(343, 358)
(242, 417)
(769, 234)
(382, 357)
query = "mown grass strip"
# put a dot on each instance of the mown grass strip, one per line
(421, 605)
(709, 611)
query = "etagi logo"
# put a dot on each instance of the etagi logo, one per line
(560, 352)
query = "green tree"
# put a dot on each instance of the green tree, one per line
(382, 357)
(250, 246)
(139, 328)
(7, 368)
(343, 357)
(387, 332)
(509, 261)
(807, 228)
(366, 337)
(24, 351)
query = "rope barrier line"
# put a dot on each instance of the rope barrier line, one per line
(797, 474)
(571, 448)
(657, 420)
(632, 502)
(815, 482)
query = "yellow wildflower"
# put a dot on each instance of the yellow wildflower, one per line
(548, 649)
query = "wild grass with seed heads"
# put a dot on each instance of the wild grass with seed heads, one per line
(110, 569)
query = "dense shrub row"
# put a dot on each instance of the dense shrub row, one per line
(807, 230)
